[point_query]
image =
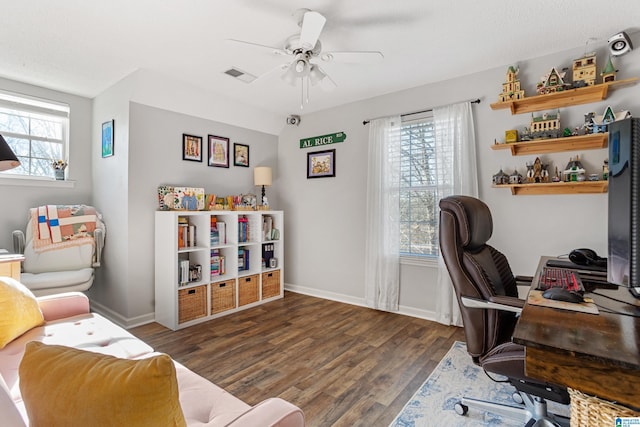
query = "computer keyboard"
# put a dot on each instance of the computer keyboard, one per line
(552, 277)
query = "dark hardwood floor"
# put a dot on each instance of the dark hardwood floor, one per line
(343, 365)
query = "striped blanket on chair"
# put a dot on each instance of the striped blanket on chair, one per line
(59, 226)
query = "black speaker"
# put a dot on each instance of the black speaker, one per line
(619, 44)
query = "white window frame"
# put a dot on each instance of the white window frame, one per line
(33, 107)
(409, 258)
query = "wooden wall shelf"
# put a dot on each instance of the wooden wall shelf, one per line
(584, 187)
(569, 143)
(583, 95)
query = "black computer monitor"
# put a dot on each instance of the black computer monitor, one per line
(623, 264)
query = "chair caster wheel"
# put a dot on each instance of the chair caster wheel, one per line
(517, 398)
(460, 408)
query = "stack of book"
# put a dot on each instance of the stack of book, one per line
(243, 229)
(218, 264)
(243, 259)
(218, 232)
(188, 273)
(186, 233)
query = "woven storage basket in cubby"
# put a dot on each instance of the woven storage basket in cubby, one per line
(247, 289)
(223, 296)
(589, 411)
(270, 284)
(192, 303)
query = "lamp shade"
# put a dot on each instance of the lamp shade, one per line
(8, 159)
(262, 175)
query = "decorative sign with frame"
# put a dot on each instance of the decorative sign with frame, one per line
(241, 155)
(321, 164)
(191, 148)
(218, 151)
(107, 138)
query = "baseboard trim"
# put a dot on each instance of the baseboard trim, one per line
(347, 299)
(120, 320)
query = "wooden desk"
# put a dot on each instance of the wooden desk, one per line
(597, 354)
(10, 265)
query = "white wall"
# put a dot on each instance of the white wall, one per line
(148, 153)
(17, 199)
(325, 217)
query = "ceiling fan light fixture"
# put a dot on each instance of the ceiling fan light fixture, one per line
(316, 75)
(290, 77)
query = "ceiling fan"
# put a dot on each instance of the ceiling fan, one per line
(305, 47)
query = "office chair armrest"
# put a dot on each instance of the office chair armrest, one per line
(98, 236)
(511, 304)
(18, 241)
(524, 280)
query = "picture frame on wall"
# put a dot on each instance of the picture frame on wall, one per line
(191, 148)
(107, 138)
(241, 155)
(321, 164)
(218, 151)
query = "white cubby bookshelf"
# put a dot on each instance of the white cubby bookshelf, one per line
(179, 304)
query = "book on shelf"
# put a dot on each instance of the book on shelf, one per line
(186, 233)
(243, 259)
(243, 229)
(267, 253)
(267, 226)
(218, 267)
(218, 232)
(222, 232)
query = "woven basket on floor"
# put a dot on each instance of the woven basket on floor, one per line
(589, 411)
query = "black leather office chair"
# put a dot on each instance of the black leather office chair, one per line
(488, 298)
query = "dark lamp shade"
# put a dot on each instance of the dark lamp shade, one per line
(8, 159)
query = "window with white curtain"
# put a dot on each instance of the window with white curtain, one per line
(420, 174)
(37, 132)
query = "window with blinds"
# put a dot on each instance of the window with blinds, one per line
(37, 132)
(419, 176)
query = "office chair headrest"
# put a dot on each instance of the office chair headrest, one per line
(473, 218)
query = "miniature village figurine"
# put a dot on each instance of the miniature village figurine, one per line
(511, 90)
(515, 177)
(552, 82)
(500, 178)
(599, 124)
(545, 126)
(574, 170)
(584, 71)
(608, 72)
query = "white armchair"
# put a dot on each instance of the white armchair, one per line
(68, 265)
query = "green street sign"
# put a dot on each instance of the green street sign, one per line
(332, 138)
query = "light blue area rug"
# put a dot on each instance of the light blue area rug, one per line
(455, 377)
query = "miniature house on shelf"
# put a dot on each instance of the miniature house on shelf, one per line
(544, 126)
(500, 178)
(609, 72)
(599, 124)
(537, 171)
(515, 177)
(584, 70)
(574, 171)
(511, 90)
(552, 82)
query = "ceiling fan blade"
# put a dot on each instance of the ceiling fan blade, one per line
(271, 49)
(312, 25)
(353, 57)
(277, 70)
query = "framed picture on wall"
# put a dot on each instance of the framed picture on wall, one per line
(321, 164)
(241, 155)
(218, 152)
(107, 138)
(191, 148)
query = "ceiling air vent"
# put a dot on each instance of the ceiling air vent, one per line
(240, 75)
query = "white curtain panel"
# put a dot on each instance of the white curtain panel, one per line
(382, 247)
(457, 174)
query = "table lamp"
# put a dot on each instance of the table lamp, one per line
(262, 177)
(8, 159)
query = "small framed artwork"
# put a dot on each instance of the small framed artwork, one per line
(107, 138)
(191, 148)
(241, 155)
(321, 164)
(218, 151)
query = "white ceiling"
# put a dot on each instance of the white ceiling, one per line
(83, 47)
